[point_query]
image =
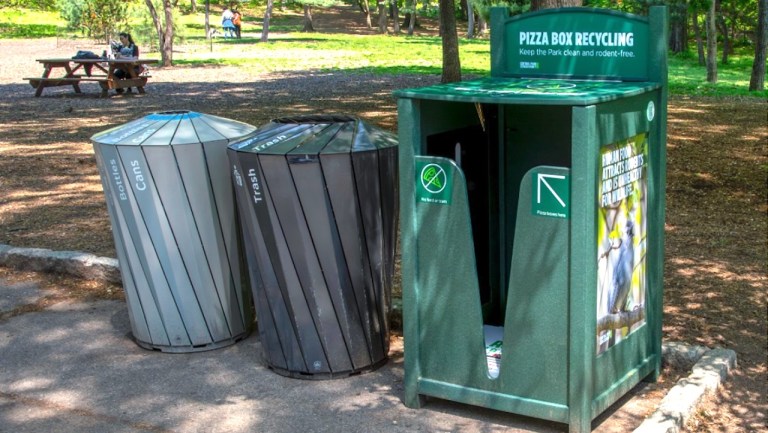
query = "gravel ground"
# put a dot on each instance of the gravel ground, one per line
(62, 206)
(225, 91)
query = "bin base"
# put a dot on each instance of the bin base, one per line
(190, 348)
(327, 376)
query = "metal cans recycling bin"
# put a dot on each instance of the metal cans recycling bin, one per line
(533, 218)
(318, 199)
(174, 222)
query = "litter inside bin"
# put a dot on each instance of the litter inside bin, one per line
(494, 336)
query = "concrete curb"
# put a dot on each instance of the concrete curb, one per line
(709, 367)
(708, 372)
(76, 263)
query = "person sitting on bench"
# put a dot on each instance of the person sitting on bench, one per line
(126, 49)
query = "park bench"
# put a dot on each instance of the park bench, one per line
(105, 74)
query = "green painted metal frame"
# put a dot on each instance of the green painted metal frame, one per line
(550, 369)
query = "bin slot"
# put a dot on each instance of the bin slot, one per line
(474, 149)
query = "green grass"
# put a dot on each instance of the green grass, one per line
(24, 23)
(687, 77)
(290, 49)
(378, 53)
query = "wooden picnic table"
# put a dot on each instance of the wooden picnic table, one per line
(102, 71)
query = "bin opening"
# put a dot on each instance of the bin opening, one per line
(174, 112)
(475, 150)
(494, 161)
(321, 118)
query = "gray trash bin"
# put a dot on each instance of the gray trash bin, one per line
(173, 217)
(318, 200)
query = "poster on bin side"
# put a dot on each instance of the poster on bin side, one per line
(621, 240)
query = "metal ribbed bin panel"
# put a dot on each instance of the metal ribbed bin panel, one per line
(175, 227)
(318, 200)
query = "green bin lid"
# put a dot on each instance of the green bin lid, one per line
(530, 91)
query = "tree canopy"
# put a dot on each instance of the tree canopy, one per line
(29, 4)
(99, 19)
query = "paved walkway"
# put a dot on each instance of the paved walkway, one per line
(72, 368)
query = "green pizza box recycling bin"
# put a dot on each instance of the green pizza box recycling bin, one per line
(532, 218)
(174, 221)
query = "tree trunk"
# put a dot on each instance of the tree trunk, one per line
(265, 24)
(470, 20)
(193, 5)
(724, 31)
(367, 12)
(757, 81)
(308, 26)
(699, 40)
(395, 17)
(463, 8)
(382, 7)
(678, 34)
(482, 25)
(207, 20)
(165, 37)
(451, 62)
(711, 45)
(168, 47)
(410, 16)
(676, 37)
(549, 4)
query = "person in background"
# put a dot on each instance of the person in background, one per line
(126, 49)
(227, 24)
(236, 20)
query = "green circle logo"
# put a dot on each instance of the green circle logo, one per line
(433, 178)
(650, 111)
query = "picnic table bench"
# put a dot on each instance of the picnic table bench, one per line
(101, 71)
